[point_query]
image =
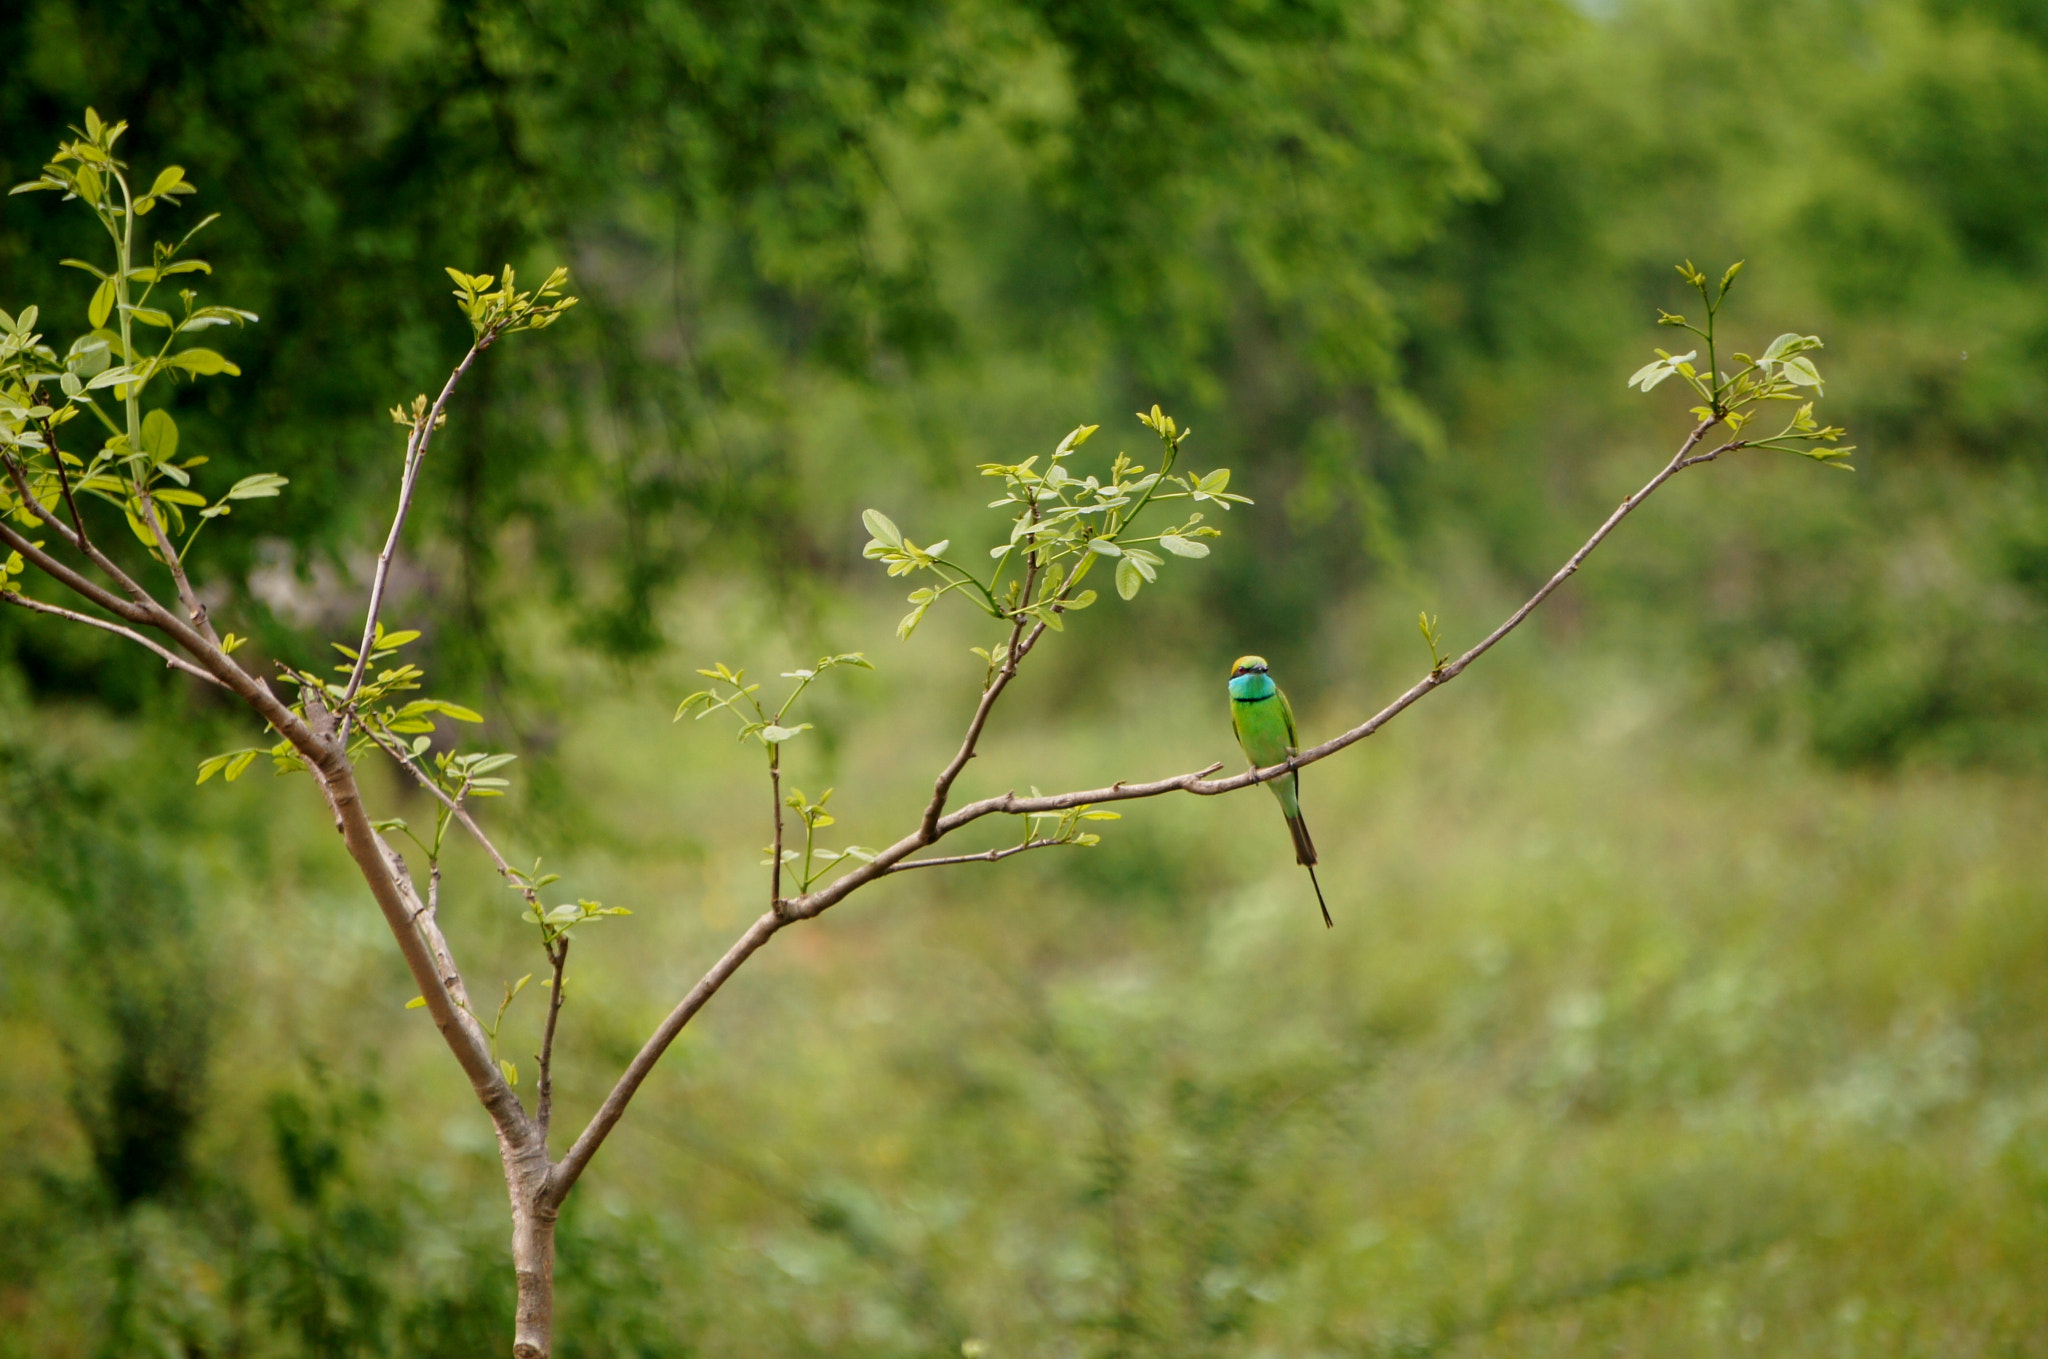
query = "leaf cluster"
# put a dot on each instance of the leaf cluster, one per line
(1066, 825)
(504, 310)
(136, 468)
(813, 860)
(1061, 525)
(1783, 372)
(402, 728)
(731, 693)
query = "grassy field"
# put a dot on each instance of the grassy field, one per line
(1633, 1037)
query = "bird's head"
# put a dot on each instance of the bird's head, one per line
(1248, 665)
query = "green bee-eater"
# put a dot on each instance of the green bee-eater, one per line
(1264, 723)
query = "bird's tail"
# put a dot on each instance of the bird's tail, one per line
(1304, 848)
(1305, 855)
(1328, 923)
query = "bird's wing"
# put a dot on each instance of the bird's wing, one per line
(1287, 716)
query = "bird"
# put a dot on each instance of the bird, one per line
(1264, 724)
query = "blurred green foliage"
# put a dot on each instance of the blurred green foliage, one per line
(1874, 164)
(1654, 1033)
(763, 197)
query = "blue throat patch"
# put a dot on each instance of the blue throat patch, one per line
(1252, 687)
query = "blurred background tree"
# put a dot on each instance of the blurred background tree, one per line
(1394, 260)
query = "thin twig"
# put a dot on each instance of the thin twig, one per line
(170, 658)
(19, 476)
(64, 483)
(415, 454)
(986, 857)
(544, 1106)
(455, 807)
(1005, 672)
(194, 609)
(775, 853)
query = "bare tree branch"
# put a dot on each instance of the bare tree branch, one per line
(544, 1104)
(398, 752)
(403, 911)
(426, 919)
(1005, 672)
(316, 742)
(64, 483)
(985, 857)
(195, 610)
(170, 658)
(415, 454)
(577, 1158)
(775, 850)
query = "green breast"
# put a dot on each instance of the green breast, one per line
(1261, 728)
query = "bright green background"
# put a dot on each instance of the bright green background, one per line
(1685, 995)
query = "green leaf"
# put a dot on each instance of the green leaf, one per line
(416, 1003)
(260, 486)
(511, 1070)
(456, 711)
(1105, 547)
(204, 363)
(882, 527)
(102, 304)
(138, 528)
(1128, 581)
(1075, 439)
(89, 357)
(910, 620)
(1802, 372)
(230, 766)
(160, 436)
(1791, 342)
(1183, 547)
(773, 735)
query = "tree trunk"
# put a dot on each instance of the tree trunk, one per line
(533, 1259)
